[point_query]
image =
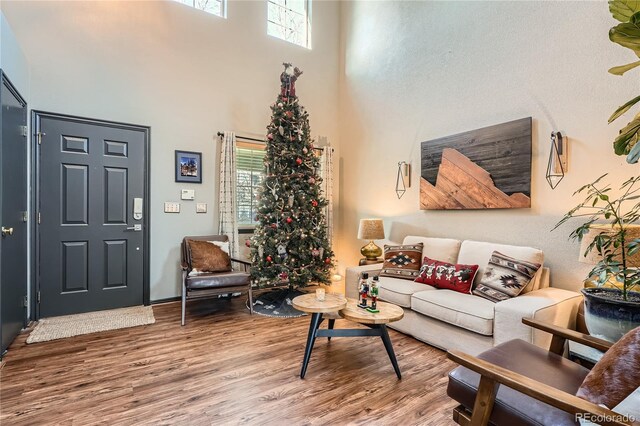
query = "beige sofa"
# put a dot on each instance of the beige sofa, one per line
(451, 320)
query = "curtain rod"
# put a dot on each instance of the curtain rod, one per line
(263, 141)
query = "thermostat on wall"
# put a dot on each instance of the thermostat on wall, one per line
(188, 194)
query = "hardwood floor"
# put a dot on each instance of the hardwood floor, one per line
(223, 367)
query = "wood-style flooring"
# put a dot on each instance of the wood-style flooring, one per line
(224, 367)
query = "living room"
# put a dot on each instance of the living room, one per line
(383, 82)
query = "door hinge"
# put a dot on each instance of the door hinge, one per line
(25, 301)
(38, 299)
(25, 216)
(23, 131)
(39, 136)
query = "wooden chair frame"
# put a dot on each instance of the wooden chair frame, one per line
(492, 376)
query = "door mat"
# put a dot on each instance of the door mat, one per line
(277, 303)
(91, 322)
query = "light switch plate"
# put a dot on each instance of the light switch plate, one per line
(188, 194)
(201, 207)
(170, 207)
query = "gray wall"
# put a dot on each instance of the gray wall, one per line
(185, 73)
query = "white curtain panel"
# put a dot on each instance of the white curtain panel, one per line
(228, 220)
(327, 176)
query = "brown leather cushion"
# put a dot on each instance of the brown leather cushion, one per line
(616, 375)
(219, 280)
(208, 257)
(512, 407)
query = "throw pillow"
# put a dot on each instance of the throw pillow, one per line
(224, 245)
(207, 257)
(505, 277)
(402, 261)
(616, 375)
(447, 275)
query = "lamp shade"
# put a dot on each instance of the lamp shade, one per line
(593, 257)
(371, 229)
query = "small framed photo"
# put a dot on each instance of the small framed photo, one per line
(188, 166)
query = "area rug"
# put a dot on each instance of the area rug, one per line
(277, 303)
(91, 322)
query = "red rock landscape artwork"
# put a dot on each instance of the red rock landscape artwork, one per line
(488, 168)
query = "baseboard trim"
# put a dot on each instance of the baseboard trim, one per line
(166, 300)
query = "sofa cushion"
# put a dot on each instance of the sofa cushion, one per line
(402, 261)
(463, 310)
(444, 249)
(479, 253)
(505, 277)
(447, 275)
(399, 291)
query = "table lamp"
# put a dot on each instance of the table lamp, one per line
(371, 229)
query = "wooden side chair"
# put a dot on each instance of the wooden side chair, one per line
(518, 383)
(205, 285)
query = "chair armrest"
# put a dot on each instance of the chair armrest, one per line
(551, 305)
(494, 375)
(567, 334)
(352, 277)
(244, 262)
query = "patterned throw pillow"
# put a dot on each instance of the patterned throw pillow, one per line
(207, 257)
(447, 275)
(616, 375)
(402, 261)
(505, 277)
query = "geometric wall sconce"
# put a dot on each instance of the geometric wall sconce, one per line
(403, 179)
(558, 159)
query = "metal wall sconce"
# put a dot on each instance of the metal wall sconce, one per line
(403, 179)
(558, 159)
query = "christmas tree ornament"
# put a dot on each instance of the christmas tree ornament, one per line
(305, 150)
(247, 243)
(281, 130)
(315, 252)
(298, 161)
(289, 114)
(274, 226)
(269, 259)
(290, 201)
(260, 251)
(282, 251)
(321, 254)
(311, 180)
(270, 136)
(314, 203)
(289, 220)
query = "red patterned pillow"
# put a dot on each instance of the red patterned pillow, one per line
(447, 275)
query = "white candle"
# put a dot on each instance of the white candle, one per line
(320, 294)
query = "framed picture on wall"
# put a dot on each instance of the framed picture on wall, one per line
(188, 166)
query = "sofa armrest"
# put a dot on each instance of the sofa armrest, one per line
(551, 305)
(353, 277)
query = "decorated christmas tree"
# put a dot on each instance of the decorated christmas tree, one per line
(290, 243)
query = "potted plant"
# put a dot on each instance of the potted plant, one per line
(612, 307)
(626, 34)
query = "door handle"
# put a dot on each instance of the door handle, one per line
(136, 227)
(7, 231)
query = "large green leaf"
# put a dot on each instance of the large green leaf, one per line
(619, 70)
(623, 10)
(624, 108)
(627, 140)
(627, 34)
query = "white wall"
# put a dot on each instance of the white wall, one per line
(185, 73)
(415, 71)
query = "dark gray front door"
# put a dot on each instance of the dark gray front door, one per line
(92, 215)
(13, 201)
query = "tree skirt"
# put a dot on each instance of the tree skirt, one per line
(277, 303)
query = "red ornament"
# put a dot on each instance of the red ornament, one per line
(285, 99)
(298, 161)
(270, 136)
(274, 225)
(289, 114)
(289, 220)
(269, 258)
(247, 243)
(327, 260)
(284, 276)
(314, 203)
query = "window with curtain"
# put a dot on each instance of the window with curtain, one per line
(215, 7)
(290, 20)
(249, 175)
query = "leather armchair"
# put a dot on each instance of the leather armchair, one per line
(518, 383)
(213, 284)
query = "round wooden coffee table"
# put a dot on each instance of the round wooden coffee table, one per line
(347, 309)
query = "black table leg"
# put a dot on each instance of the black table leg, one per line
(331, 323)
(316, 319)
(387, 344)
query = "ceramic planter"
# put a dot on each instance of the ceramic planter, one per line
(606, 316)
